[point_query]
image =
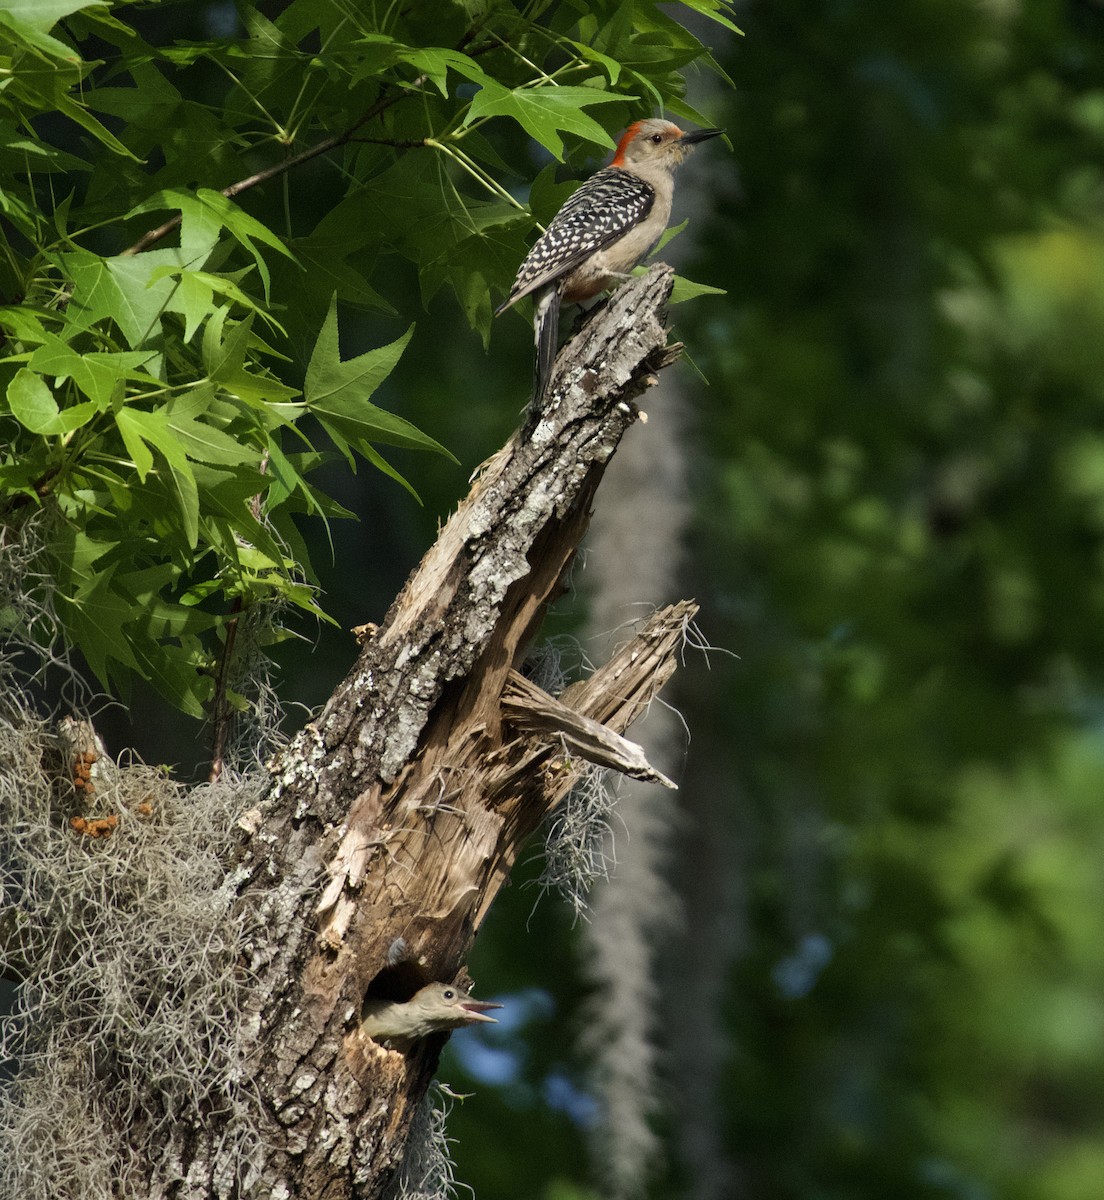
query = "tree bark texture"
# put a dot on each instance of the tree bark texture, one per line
(393, 819)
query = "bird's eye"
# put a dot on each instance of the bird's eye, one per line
(657, 138)
(450, 994)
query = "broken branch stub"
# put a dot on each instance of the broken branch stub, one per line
(548, 720)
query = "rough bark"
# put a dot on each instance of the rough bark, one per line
(394, 818)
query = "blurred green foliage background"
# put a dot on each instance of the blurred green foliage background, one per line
(899, 481)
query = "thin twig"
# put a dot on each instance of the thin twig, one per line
(220, 708)
(410, 144)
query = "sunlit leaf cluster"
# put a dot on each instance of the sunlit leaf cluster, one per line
(187, 195)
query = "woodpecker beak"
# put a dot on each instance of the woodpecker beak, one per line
(698, 135)
(477, 1010)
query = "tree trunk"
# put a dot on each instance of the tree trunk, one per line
(392, 820)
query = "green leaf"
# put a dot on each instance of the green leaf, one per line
(78, 113)
(329, 379)
(435, 62)
(24, 324)
(100, 375)
(337, 393)
(27, 33)
(475, 264)
(205, 443)
(224, 358)
(381, 464)
(141, 429)
(678, 107)
(546, 112)
(323, 268)
(119, 620)
(715, 10)
(196, 292)
(34, 407)
(469, 244)
(378, 52)
(204, 214)
(228, 521)
(197, 299)
(131, 290)
(88, 603)
(130, 425)
(45, 14)
(610, 65)
(667, 236)
(173, 670)
(687, 289)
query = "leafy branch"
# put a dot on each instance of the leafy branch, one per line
(151, 399)
(325, 146)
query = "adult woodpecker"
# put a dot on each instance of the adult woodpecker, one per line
(603, 230)
(436, 1008)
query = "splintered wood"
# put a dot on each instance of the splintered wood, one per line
(534, 712)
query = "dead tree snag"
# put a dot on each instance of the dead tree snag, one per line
(392, 820)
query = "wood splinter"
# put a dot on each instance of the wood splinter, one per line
(533, 711)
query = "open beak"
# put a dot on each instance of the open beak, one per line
(477, 1010)
(698, 135)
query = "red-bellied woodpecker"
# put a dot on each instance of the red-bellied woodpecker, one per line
(603, 230)
(435, 1008)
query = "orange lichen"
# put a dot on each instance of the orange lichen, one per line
(94, 827)
(82, 772)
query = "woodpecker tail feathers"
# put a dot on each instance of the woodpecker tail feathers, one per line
(546, 325)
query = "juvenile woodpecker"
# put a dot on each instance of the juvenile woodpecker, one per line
(603, 230)
(436, 1008)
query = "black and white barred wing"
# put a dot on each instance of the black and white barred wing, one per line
(605, 208)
